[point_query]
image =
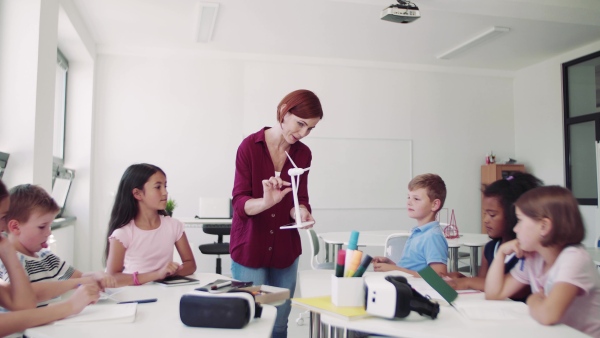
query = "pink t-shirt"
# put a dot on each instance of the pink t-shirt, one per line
(573, 266)
(148, 250)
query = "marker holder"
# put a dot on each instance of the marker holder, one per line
(347, 291)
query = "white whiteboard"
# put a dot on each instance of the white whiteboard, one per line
(359, 173)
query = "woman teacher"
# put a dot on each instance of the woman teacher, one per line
(261, 252)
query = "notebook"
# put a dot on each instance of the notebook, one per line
(324, 305)
(109, 313)
(443, 290)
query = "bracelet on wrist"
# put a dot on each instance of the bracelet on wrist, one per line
(136, 281)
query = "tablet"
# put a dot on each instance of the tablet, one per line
(177, 280)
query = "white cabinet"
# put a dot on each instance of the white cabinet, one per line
(62, 242)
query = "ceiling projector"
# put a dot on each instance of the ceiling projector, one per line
(404, 12)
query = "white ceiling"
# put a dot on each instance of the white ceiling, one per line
(351, 29)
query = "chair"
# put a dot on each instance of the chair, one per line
(314, 252)
(216, 248)
(394, 246)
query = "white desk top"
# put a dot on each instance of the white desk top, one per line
(378, 237)
(365, 238)
(159, 319)
(449, 323)
(192, 220)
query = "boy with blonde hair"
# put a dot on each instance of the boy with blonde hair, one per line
(31, 213)
(21, 297)
(426, 244)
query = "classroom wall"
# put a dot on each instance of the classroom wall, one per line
(27, 76)
(188, 113)
(539, 137)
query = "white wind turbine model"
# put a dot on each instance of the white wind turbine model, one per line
(295, 173)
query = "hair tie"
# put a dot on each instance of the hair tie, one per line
(509, 178)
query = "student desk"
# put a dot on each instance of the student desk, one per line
(449, 323)
(159, 319)
(377, 238)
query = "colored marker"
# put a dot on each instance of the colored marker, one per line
(339, 267)
(364, 264)
(354, 263)
(352, 245)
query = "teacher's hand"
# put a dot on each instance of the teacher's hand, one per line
(305, 216)
(274, 189)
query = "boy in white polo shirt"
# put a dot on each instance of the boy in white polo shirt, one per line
(426, 244)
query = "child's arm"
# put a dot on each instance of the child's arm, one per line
(473, 283)
(439, 268)
(104, 279)
(17, 321)
(17, 295)
(188, 265)
(549, 310)
(497, 284)
(114, 266)
(382, 267)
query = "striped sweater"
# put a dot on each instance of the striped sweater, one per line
(45, 267)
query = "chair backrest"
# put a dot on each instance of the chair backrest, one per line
(394, 246)
(314, 246)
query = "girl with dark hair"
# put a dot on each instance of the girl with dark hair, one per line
(261, 252)
(564, 281)
(499, 220)
(140, 234)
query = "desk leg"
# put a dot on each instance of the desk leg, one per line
(315, 325)
(453, 257)
(339, 332)
(474, 261)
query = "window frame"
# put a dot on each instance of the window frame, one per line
(62, 61)
(569, 121)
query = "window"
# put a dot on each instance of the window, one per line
(581, 100)
(60, 108)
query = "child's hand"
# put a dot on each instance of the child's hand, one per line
(380, 259)
(104, 280)
(510, 247)
(458, 283)
(169, 270)
(538, 296)
(84, 295)
(382, 267)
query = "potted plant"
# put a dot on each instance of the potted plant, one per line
(171, 204)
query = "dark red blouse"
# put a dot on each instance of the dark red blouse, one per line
(256, 241)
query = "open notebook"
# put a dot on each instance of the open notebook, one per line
(103, 313)
(435, 287)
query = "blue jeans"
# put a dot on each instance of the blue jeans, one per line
(283, 278)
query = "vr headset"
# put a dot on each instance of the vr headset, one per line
(230, 310)
(393, 297)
